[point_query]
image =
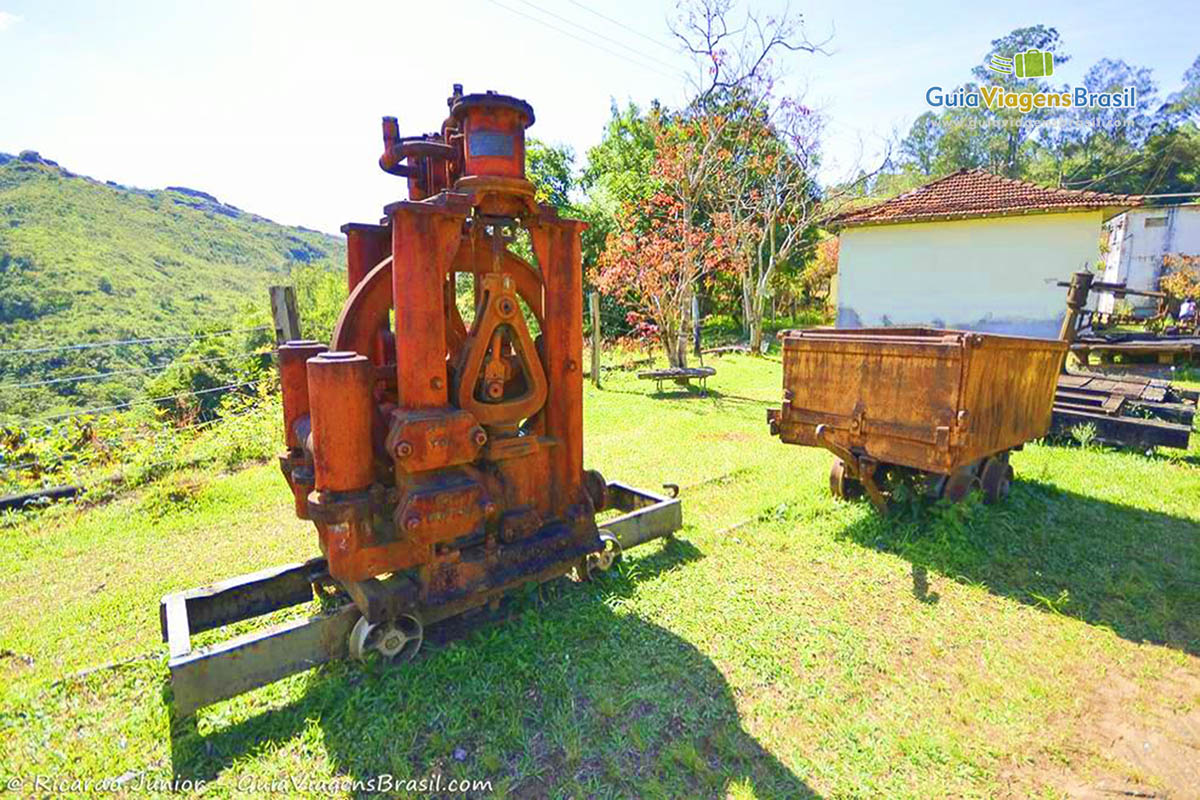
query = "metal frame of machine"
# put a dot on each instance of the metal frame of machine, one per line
(440, 458)
(207, 675)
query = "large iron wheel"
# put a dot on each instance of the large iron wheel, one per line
(996, 478)
(841, 484)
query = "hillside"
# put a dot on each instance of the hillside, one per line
(83, 261)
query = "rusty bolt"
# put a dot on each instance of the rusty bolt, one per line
(437, 383)
(571, 365)
(489, 508)
(412, 522)
(480, 437)
(505, 307)
(403, 450)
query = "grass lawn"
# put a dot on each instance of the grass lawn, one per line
(784, 645)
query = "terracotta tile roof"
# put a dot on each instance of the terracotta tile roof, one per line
(976, 193)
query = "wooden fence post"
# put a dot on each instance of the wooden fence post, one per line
(594, 306)
(283, 312)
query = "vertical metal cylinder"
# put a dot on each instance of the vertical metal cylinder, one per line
(339, 390)
(366, 246)
(293, 382)
(494, 129)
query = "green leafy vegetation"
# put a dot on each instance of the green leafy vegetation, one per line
(83, 261)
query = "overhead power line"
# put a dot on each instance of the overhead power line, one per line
(620, 24)
(637, 53)
(588, 42)
(118, 342)
(144, 401)
(115, 373)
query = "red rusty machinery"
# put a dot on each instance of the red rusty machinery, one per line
(444, 454)
(437, 444)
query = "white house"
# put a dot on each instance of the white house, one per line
(1137, 242)
(971, 250)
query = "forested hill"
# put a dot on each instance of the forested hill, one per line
(84, 261)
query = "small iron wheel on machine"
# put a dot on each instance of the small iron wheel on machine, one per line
(396, 640)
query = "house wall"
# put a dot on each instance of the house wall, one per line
(996, 275)
(1138, 240)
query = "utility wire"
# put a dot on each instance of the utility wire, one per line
(117, 342)
(144, 400)
(620, 24)
(579, 38)
(143, 370)
(597, 34)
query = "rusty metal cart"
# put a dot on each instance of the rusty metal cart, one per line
(941, 407)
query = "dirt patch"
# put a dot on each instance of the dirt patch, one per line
(728, 436)
(12, 663)
(1150, 736)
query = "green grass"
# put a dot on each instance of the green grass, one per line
(784, 644)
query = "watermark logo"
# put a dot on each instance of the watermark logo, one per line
(1032, 63)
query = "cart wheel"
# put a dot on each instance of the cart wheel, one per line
(996, 478)
(841, 485)
(595, 563)
(959, 484)
(397, 640)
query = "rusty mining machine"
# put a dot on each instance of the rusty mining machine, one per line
(440, 459)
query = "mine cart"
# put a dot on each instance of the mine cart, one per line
(938, 409)
(437, 450)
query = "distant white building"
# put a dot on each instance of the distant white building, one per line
(1137, 242)
(971, 250)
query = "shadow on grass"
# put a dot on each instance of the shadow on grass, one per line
(570, 696)
(1136, 572)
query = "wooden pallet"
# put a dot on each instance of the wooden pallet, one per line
(1128, 411)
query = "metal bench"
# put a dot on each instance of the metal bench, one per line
(681, 375)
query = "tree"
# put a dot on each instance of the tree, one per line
(1184, 106)
(1006, 133)
(618, 169)
(818, 276)
(551, 169)
(752, 165)
(617, 174)
(657, 254)
(921, 145)
(768, 202)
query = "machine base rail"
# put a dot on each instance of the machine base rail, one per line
(206, 675)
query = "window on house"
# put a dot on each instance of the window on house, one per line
(1156, 222)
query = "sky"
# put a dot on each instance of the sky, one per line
(275, 107)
